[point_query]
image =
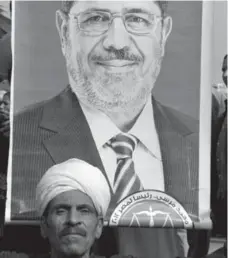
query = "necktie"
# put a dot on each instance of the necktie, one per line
(126, 181)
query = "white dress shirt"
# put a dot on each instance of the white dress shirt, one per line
(143, 242)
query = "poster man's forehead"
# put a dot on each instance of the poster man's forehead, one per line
(159, 5)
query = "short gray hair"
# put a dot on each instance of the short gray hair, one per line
(67, 4)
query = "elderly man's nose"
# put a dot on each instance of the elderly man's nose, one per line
(117, 36)
(73, 217)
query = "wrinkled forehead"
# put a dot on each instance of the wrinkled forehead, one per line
(116, 6)
(70, 199)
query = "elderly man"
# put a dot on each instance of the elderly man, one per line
(113, 53)
(72, 200)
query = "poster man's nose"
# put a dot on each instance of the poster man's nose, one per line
(117, 36)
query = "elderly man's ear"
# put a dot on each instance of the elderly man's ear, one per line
(43, 227)
(99, 228)
(61, 24)
(166, 30)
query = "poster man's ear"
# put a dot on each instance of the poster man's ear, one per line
(166, 30)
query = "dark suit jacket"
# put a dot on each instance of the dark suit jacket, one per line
(56, 130)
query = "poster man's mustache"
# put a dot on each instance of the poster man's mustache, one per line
(116, 55)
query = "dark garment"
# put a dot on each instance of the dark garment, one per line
(218, 169)
(4, 151)
(5, 72)
(4, 148)
(23, 255)
(56, 130)
(221, 154)
(201, 237)
(220, 211)
(17, 255)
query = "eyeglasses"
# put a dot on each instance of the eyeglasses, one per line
(99, 22)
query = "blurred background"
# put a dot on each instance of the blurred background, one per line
(5, 21)
(5, 44)
(40, 70)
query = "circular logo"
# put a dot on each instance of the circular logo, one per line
(150, 209)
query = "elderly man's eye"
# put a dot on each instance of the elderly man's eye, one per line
(60, 211)
(85, 211)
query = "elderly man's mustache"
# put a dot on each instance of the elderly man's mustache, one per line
(116, 55)
(73, 231)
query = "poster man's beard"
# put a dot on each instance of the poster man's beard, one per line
(112, 92)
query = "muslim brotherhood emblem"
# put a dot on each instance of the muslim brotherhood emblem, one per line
(150, 209)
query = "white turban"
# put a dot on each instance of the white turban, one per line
(73, 174)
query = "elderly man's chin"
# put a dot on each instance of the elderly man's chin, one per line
(73, 249)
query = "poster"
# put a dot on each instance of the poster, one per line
(50, 124)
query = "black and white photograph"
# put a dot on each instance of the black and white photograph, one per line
(87, 93)
(118, 129)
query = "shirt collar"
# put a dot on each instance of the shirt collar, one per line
(101, 126)
(144, 129)
(103, 129)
